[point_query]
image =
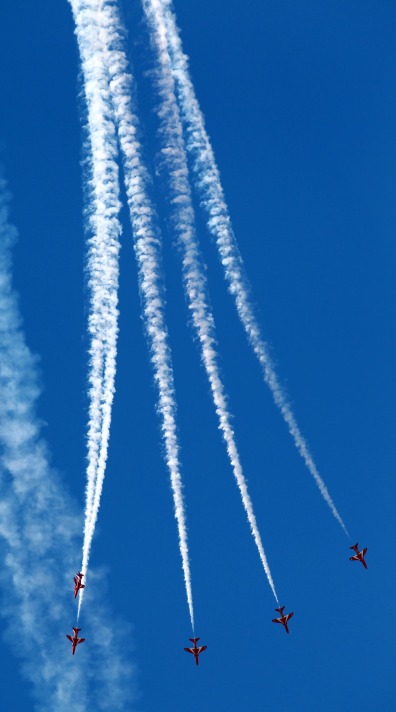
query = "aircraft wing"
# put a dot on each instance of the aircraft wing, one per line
(289, 615)
(354, 558)
(69, 638)
(365, 551)
(189, 650)
(276, 620)
(80, 640)
(202, 648)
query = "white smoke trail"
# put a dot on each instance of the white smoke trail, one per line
(211, 195)
(40, 529)
(102, 264)
(174, 158)
(147, 246)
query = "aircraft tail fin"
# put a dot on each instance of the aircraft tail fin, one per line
(355, 546)
(280, 610)
(194, 640)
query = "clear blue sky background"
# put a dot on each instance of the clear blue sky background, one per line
(300, 103)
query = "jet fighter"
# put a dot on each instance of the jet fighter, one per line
(283, 619)
(78, 583)
(75, 640)
(359, 556)
(195, 651)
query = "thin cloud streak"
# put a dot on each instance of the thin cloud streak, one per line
(174, 160)
(40, 529)
(147, 245)
(211, 195)
(102, 259)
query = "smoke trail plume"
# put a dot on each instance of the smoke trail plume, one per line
(102, 262)
(40, 529)
(147, 246)
(174, 159)
(211, 195)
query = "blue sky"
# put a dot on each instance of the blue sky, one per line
(299, 100)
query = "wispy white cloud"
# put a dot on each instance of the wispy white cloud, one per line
(40, 529)
(207, 181)
(174, 160)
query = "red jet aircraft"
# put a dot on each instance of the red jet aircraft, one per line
(78, 583)
(195, 651)
(283, 619)
(75, 640)
(359, 556)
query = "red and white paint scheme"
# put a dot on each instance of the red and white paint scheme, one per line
(359, 556)
(283, 619)
(195, 651)
(75, 640)
(78, 583)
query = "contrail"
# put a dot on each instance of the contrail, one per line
(147, 245)
(102, 263)
(211, 195)
(40, 529)
(174, 158)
